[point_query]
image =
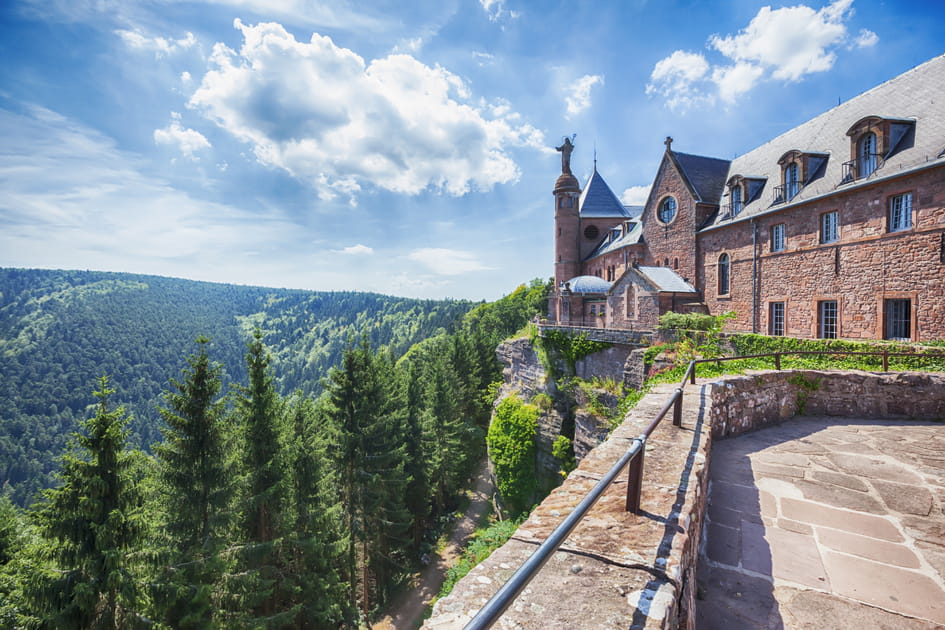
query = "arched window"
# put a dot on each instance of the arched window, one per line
(723, 274)
(791, 183)
(866, 156)
(736, 200)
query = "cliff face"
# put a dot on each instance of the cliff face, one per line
(569, 414)
(525, 376)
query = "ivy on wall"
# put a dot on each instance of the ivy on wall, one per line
(556, 345)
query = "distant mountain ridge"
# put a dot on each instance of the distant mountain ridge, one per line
(60, 330)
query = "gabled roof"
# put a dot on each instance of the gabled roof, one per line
(706, 176)
(666, 280)
(612, 242)
(917, 95)
(598, 201)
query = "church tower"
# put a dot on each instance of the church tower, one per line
(567, 194)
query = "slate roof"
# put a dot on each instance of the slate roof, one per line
(918, 95)
(667, 280)
(706, 175)
(588, 284)
(598, 201)
(613, 241)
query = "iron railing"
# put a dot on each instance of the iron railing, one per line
(503, 598)
(860, 167)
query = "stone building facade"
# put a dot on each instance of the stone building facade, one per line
(835, 229)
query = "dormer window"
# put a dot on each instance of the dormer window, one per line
(742, 190)
(736, 200)
(867, 157)
(791, 181)
(872, 141)
(798, 168)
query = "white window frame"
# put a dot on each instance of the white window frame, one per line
(777, 237)
(792, 184)
(776, 319)
(900, 212)
(736, 200)
(830, 227)
(897, 319)
(866, 162)
(828, 319)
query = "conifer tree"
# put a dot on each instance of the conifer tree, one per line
(91, 525)
(316, 544)
(261, 413)
(197, 487)
(446, 458)
(368, 449)
(417, 495)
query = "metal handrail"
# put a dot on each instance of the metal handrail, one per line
(503, 598)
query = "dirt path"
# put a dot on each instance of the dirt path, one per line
(406, 612)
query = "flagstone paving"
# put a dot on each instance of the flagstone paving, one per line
(826, 523)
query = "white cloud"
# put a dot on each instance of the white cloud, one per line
(186, 140)
(496, 10)
(635, 195)
(357, 250)
(483, 59)
(447, 262)
(161, 46)
(324, 115)
(865, 39)
(733, 81)
(185, 78)
(578, 95)
(678, 77)
(73, 200)
(784, 44)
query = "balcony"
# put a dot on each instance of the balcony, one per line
(860, 167)
(785, 192)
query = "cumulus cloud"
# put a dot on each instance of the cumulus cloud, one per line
(447, 262)
(160, 46)
(325, 115)
(186, 140)
(678, 78)
(635, 195)
(578, 96)
(783, 44)
(357, 250)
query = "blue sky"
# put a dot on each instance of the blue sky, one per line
(398, 147)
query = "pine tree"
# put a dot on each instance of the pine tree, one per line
(446, 457)
(253, 589)
(316, 544)
(91, 525)
(367, 411)
(197, 487)
(417, 495)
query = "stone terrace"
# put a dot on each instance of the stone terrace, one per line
(816, 520)
(619, 570)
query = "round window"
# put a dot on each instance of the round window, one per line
(667, 210)
(591, 232)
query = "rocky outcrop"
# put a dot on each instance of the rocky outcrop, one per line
(525, 376)
(571, 413)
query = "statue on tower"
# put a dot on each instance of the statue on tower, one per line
(566, 148)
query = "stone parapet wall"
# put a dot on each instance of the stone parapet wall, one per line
(638, 571)
(607, 335)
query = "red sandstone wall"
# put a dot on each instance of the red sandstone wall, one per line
(867, 265)
(674, 242)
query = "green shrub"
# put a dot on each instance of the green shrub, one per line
(482, 543)
(511, 441)
(563, 451)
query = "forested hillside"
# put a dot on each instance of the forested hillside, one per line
(61, 330)
(255, 508)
